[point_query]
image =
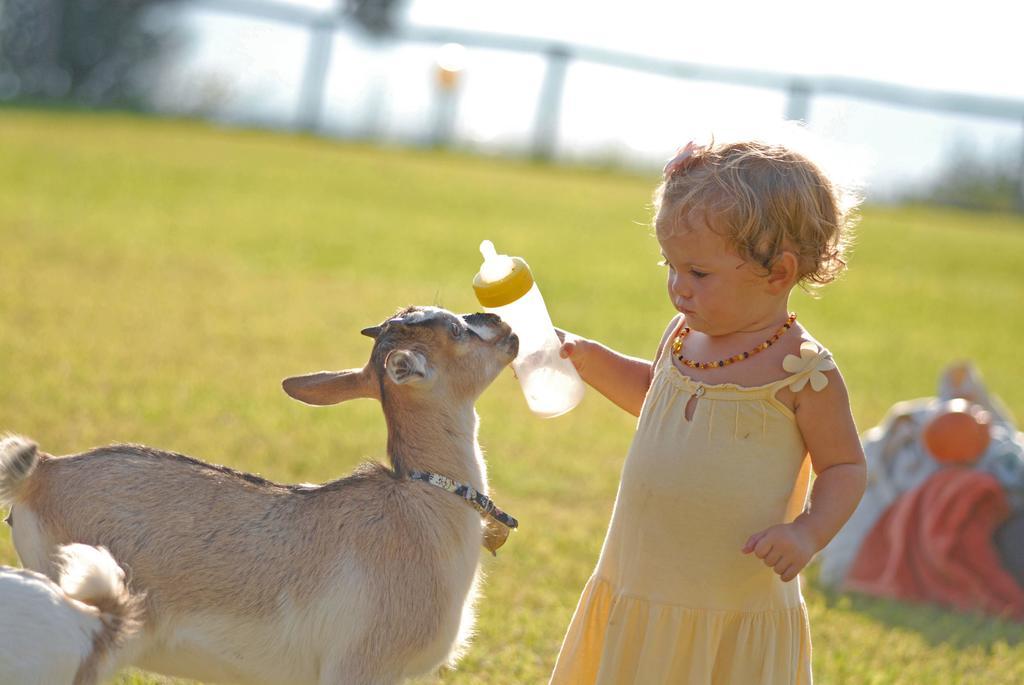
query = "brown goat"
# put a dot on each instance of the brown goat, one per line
(365, 580)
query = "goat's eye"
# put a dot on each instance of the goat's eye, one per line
(456, 330)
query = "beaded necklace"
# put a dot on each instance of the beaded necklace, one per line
(677, 348)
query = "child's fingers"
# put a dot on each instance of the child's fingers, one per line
(752, 542)
(763, 547)
(774, 552)
(568, 343)
(759, 544)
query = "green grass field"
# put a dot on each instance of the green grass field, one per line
(158, 279)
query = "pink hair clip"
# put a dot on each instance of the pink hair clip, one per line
(684, 157)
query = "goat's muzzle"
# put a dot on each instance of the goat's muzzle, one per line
(511, 343)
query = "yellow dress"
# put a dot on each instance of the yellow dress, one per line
(673, 599)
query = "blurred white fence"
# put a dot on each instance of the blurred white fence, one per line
(799, 89)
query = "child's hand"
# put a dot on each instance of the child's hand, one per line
(786, 548)
(574, 348)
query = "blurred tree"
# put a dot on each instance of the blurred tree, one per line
(973, 181)
(89, 51)
(376, 16)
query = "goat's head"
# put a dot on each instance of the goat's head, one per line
(420, 351)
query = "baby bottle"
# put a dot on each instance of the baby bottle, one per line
(505, 287)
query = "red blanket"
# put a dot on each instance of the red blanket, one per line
(935, 544)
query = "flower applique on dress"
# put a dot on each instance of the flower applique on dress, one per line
(810, 356)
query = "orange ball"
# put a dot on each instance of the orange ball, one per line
(958, 434)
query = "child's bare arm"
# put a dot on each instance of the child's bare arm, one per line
(826, 423)
(827, 426)
(622, 379)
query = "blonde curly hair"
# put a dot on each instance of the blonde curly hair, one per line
(763, 199)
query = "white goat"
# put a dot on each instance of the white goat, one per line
(68, 633)
(367, 579)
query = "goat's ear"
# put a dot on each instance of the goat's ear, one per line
(372, 331)
(406, 366)
(332, 387)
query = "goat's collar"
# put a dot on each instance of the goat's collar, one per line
(482, 503)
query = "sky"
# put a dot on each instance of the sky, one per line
(240, 68)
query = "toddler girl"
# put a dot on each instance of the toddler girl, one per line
(712, 521)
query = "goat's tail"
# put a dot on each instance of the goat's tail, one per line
(18, 458)
(91, 576)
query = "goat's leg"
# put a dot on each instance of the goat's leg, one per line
(34, 547)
